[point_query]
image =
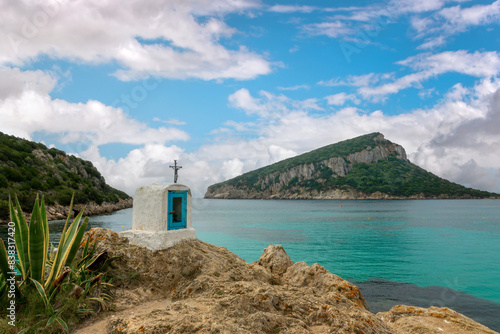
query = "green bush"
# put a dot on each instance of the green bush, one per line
(81, 197)
(4, 209)
(4, 183)
(53, 182)
(94, 195)
(64, 197)
(55, 152)
(37, 184)
(12, 174)
(49, 200)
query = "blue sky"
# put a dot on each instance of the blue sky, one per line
(228, 86)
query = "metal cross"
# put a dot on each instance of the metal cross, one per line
(176, 168)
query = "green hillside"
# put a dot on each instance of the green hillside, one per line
(391, 174)
(399, 178)
(339, 149)
(28, 168)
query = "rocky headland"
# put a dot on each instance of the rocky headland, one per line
(196, 287)
(366, 167)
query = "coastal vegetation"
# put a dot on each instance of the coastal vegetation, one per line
(394, 177)
(54, 286)
(368, 166)
(340, 149)
(27, 167)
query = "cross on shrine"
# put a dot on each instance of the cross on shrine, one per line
(176, 168)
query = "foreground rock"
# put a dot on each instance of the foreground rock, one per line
(196, 287)
(410, 319)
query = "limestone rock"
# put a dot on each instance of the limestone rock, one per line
(92, 208)
(275, 259)
(320, 280)
(196, 287)
(103, 240)
(410, 319)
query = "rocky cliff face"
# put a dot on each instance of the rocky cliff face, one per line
(281, 184)
(195, 287)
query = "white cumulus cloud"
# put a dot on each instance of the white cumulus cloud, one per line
(166, 38)
(26, 108)
(341, 98)
(477, 64)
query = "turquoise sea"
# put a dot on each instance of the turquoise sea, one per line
(418, 252)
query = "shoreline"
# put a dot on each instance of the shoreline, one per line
(355, 199)
(335, 195)
(60, 212)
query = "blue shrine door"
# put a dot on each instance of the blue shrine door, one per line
(177, 209)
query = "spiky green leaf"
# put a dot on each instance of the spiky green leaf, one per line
(45, 223)
(21, 235)
(42, 293)
(99, 300)
(52, 319)
(76, 242)
(4, 260)
(67, 239)
(86, 249)
(63, 324)
(3, 287)
(36, 244)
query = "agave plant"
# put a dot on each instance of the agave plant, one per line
(89, 279)
(32, 244)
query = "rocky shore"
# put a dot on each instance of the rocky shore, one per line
(231, 192)
(58, 212)
(196, 287)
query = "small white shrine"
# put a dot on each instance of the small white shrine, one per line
(161, 216)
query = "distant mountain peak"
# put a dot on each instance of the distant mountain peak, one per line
(367, 166)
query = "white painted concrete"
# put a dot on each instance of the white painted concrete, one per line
(150, 217)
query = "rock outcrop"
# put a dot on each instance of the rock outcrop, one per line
(410, 319)
(196, 287)
(275, 259)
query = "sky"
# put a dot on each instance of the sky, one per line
(225, 87)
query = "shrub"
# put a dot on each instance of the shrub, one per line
(4, 183)
(37, 184)
(64, 197)
(4, 209)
